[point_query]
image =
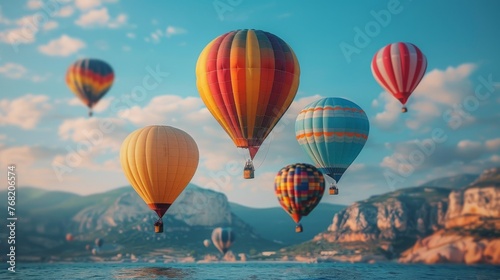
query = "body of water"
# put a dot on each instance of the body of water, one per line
(248, 270)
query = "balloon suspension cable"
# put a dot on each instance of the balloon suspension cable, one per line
(90, 113)
(404, 109)
(159, 226)
(298, 228)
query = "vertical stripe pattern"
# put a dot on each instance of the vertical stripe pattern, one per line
(223, 238)
(159, 161)
(299, 188)
(247, 79)
(332, 131)
(399, 68)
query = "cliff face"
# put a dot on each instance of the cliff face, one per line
(422, 224)
(402, 214)
(471, 232)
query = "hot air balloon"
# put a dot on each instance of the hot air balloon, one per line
(69, 237)
(247, 79)
(398, 68)
(332, 131)
(98, 242)
(223, 238)
(206, 243)
(90, 79)
(159, 161)
(299, 188)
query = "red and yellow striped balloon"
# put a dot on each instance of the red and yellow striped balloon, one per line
(247, 79)
(90, 80)
(299, 188)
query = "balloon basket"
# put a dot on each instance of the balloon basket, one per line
(333, 190)
(159, 226)
(298, 228)
(404, 110)
(248, 171)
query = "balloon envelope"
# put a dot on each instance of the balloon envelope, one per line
(299, 188)
(159, 161)
(90, 79)
(399, 68)
(98, 242)
(69, 237)
(247, 79)
(223, 238)
(332, 131)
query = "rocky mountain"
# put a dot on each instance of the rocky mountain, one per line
(471, 229)
(420, 224)
(125, 223)
(275, 224)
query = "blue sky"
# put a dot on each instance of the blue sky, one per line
(43, 128)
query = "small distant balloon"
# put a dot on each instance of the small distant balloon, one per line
(399, 68)
(223, 238)
(90, 79)
(99, 242)
(206, 242)
(69, 237)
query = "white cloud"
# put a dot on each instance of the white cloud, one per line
(103, 134)
(27, 28)
(94, 18)
(101, 18)
(16, 36)
(493, 144)
(131, 35)
(13, 70)
(34, 4)
(156, 36)
(22, 156)
(172, 30)
(120, 20)
(427, 155)
(126, 48)
(65, 11)
(64, 46)
(25, 111)
(468, 149)
(438, 90)
(50, 25)
(39, 78)
(87, 4)
(101, 106)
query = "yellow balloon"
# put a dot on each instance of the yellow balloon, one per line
(159, 161)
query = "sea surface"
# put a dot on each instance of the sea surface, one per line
(248, 270)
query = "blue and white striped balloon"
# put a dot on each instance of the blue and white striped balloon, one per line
(332, 131)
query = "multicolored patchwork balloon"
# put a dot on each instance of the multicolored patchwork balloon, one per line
(299, 188)
(332, 131)
(90, 79)
(247, 79)
(399, 68)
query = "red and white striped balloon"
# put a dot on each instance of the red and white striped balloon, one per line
(398, 68)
